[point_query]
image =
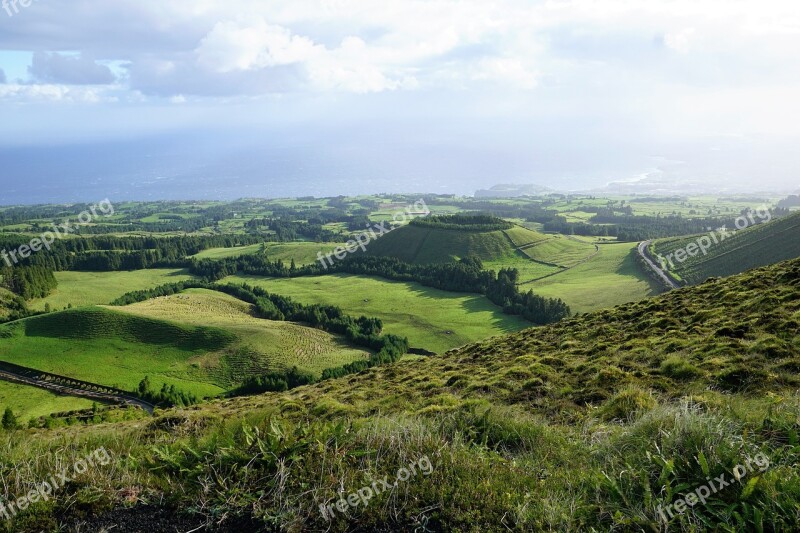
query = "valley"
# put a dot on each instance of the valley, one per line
(488, 327)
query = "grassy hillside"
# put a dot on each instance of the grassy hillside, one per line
(261, 344)
(756, 246)
(611, 277)
(431, 319)
(600, 422)
(415, 244)
(420, 244)
(112, 348)
(201, 341)
(559, 250)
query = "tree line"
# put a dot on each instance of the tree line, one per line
(466, 275)
(28, 282)
(109, 253)
(463, 222)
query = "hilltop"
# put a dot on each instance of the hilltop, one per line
(441, 239)
(731, 252)
(600, 422)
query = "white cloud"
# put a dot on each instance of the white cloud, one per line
(680, 41)
(230, 46)
(54, 93)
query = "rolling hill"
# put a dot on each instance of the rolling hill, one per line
(203, 342)
(424, 243)
(601, 422)
(730, 252)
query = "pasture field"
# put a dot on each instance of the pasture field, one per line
(261, 345)
(31, 402)
(610, 278)
(559, 250)
(528, 270)
(521, 236)
(687, 207)
(222, 253)
(431, 319)
(303, 253)
(115, 349)
(97, 288)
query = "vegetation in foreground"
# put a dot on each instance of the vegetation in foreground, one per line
(595, 423)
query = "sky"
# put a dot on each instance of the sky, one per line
(444, 94)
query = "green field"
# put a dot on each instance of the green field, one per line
(203, 342)
(115, 349)
(528, 270)
(32, 402)
(559, 250)
(263, 345)
(303, 253)
(97, 288)
(610, 278)
(431, 319)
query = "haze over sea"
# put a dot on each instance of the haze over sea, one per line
(218, 166)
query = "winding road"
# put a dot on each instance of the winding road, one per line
(656, 268)
(69, 387)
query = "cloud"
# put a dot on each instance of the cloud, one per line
(680, 41)
(229, 47)
(53, 93)
(69, 70)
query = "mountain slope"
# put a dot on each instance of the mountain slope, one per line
(729, 253)
(601, 422)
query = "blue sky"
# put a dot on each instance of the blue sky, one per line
(614, 85)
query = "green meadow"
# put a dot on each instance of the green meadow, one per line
(431, 319)
(97, 288)
(610, 278)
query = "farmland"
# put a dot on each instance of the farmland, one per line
(97, 288)
(431, 319)
(302, 253)
(114, 349)
(262, 345)
(612, 277)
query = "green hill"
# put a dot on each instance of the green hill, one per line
(425, 243)
(115, 349)
(733, 252)
(200, 341)
(603, 422)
